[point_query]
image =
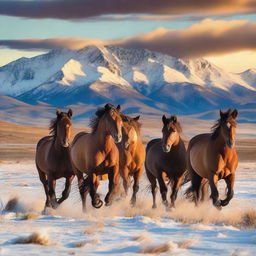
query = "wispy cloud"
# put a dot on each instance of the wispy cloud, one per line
(207, 38)
(80, 9)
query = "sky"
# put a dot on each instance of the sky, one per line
(222, 31)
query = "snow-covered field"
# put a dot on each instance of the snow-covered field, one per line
(120, 229)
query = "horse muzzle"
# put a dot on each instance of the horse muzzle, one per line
(117, 138)
(65, 144)
(166, 148)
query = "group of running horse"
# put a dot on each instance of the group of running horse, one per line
(114, 147)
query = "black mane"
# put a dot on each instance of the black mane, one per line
(94, 120)
(215, 130)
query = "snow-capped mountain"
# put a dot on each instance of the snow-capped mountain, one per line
(95, 75)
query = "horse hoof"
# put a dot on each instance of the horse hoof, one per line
(108, 203)
(218, 205)
(97, 204)
(224, 202)
(165, 203)
(154, 206)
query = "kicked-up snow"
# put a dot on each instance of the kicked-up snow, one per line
(121, 229)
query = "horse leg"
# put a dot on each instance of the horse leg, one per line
(175, 187)
(136, 177)
(113, 177)
(214, 191)
(230, 181)
(196, 182)
(152, 180)
(43, 179)
(163, 188)
(67, 189)
(52, 185)
(204, 189)
(96, 201)
(83, 188)
(126, 179)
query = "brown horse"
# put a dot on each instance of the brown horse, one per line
(166, 157)
(212, 157)
(53, 158)
(132, 154)
(96, 153)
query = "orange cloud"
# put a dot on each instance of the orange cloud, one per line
(208, 38)
(80, 9)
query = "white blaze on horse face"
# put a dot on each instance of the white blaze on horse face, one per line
(115, 125)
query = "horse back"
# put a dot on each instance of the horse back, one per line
(151, 143)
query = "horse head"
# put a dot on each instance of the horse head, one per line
(171, 132)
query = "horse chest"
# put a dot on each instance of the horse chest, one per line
(102, 160)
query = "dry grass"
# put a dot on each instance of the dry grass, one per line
(34, 238)
(11, 205)
(29, 216)
(142, 237)
(92, 229)
(83, 243)
(186, 244)
(156, 249)
(249, 219)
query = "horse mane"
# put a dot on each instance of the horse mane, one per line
(94, 120)
(215, 130)
(53, 126)
(54, 123)
(135, 124)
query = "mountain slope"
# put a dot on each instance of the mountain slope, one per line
(95, 75)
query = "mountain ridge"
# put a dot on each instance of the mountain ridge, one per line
(96, 75)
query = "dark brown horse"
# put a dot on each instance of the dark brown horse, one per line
(212, 157)
(132, 154)
(166, 157)
(96, 154)
(53, 158)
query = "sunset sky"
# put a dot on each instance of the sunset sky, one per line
(223, 31)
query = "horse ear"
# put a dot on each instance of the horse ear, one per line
(234, 113)
(174, 119)
(136, 118)
(124, 118)
(70, 113)
(164, 119)
(107, 107)
(221, 113)
(58, 112)
(118, 108)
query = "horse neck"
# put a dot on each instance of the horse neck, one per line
(219, 144)
(58, 147)
(102, 136)
(177, 141)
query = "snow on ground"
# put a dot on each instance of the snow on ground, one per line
(120, 229)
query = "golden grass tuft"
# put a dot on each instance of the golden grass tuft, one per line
(34, 238)
(29, 216)
(11, 205)
(156, 249)
(142, 237)
(83, 243)
(92, 229)
(249, 219)
(186, 244)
